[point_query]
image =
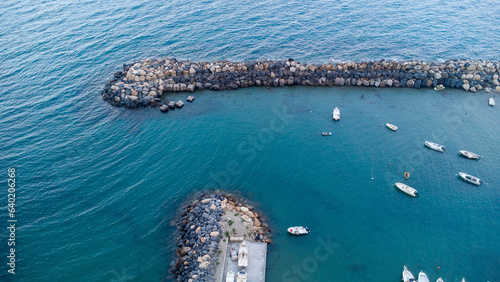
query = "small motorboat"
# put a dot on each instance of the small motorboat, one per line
(463, 279)
(230, 276)
(435, 146)
(491, 102)
(440, 280)
(407, 189)
(243, 255)
(326, 133)
(469, 155)
(336, 114)
(298, 230)
(391, 126)
(439, 87)
(241, 277)
(469, 178)
(234, 254)
(422, 277)
(407, 175)
(407, 275)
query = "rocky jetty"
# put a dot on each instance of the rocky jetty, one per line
(142, 84)
(202, 228)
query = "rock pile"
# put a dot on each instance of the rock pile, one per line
(142, 84)
(245, 213)
(199, 237)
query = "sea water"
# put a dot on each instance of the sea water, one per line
(98, 187)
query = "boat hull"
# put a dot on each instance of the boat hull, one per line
(336, 114)
(407, 275)
(469, 155)
(298, 230)
(422, 277)
(434, 146)
(439, 87)
(391, 126)
(469, 178)
(407, 189)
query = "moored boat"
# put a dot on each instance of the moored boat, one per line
(407, 189)
(241, 277)
(469, 178)
(391, 126)
(243, 255)
(326, 133)
(407, 175)
(469, 155)
(407, 275)
(435, 146)
(336, 114)
(422, 277)
(298, 230)
(230, 276)
(439, 87)
(234, 254)
(491, 102)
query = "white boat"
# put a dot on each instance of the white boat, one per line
(391, 126)
(435, 146)
(230, 276)
(407, 275)
(422, 277)
(491, 102)
(241, 277)
(440, 280)
(234, 254)
(326, 133)
(336, 114)
(463, 279)
(469, 178)
(469, 155)
(298, 230)
(439, 87)
(407, 189)
(243, 255)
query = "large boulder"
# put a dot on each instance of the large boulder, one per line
(256, 222)
(204, 264)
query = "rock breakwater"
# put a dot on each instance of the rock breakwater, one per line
(203, 226)
(142, 84)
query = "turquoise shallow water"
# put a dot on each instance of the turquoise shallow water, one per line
(98, 187)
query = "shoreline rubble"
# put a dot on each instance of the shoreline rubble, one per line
(142, 84)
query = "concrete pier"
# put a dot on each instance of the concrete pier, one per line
(257, 255)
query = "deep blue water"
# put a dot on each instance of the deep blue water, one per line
(99, 187)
